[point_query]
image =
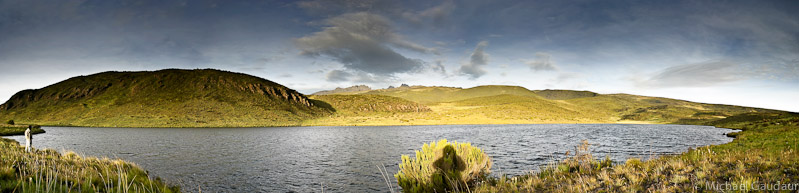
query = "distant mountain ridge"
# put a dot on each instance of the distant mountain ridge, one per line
(358, 89)
(214, 98)
(352, 89)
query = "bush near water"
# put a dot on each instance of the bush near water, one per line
(443, 167)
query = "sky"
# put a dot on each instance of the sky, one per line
(724, 52)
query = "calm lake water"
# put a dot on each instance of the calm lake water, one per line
(346, 159)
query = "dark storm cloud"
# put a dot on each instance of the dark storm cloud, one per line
(338, 76)
(361, 41)
(478, 59)
(697, 75)
(141, 33)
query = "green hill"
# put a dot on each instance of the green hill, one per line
(355, 104)
(428, 95)
(564, 94)
(530, 108)
(627, 107)
(213, 98)
(517, 105)
(164, 98)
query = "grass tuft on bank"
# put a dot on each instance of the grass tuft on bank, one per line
(50, 171)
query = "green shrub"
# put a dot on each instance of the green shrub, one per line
(634, 162)
(443, 167)
(10, 122)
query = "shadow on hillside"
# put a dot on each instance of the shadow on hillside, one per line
(323, 104)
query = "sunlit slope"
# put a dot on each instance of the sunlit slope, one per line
(429, 95)
(165, 98)
(564, 94)
(361, 104)
(517, 105)
(625, 107)
(531, 108)
(369, 109)
(213, 98)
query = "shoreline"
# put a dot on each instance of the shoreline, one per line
(378, 125)
(6, 130)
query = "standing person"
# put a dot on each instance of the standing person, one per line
(28, 139)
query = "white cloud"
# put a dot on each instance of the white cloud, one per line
(436, 16)
(696, 75)
(479, 58)
(541, 62)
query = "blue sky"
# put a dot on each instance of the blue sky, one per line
(730, 52)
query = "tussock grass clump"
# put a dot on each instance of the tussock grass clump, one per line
(49, 171)
(699, 170)
(581, 163)
(443, 167)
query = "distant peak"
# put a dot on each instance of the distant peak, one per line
(356, 88)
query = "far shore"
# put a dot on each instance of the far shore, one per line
(12, 130)
(371, 124)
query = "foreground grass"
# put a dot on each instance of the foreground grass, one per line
(50, 171)
(9, 130)
(762, 157)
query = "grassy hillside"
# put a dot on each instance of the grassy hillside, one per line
(564, 94)
(368, 110)
(213, 98)
(662, 110)
(360, 104)
(530, 108)
(430, 95)
(517, 105)
(165, 98)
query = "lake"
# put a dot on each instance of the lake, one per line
(346, 159)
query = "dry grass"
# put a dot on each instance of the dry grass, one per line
(49, 171)
(695, 171)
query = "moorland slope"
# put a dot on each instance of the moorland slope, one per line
(164, 98)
